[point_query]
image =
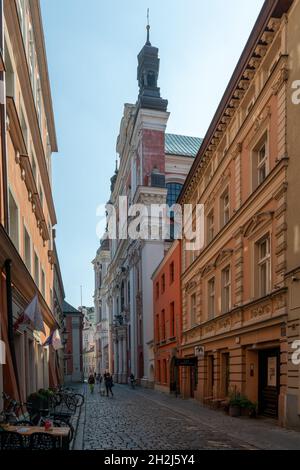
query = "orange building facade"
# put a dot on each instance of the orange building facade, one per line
(27, 209)
(167, 320)
(235, 297)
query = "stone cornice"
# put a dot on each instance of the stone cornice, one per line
(264, 33)
(150, 195)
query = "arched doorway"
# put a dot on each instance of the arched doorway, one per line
(151, 373)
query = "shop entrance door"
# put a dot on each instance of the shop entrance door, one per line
(269, 382)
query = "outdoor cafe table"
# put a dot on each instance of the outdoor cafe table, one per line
(26, 431)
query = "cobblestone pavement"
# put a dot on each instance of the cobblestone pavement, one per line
(149, 420)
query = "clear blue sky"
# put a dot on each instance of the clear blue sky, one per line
(92, 51)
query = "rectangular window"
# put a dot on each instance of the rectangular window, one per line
(264, 266)
(260, 162)
(158, 372)
(157, 329)
(157, 290)
(210, 226)
(27, 250)
(163, 325)
(31, 59)
(36, 270)
(163, 283)
(172, 320)
(13, 221)
(225, 208)
(226, 290)
(43, 286)
(193, 308)
(211, 298)
(172, 272)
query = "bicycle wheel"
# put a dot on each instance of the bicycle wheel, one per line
(70, 401)
(79, 400)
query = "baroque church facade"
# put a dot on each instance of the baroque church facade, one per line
(153, 166)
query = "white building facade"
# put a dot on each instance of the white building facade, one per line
(152, 169)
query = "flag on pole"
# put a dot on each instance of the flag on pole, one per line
(32, 314)
(54, 340)
(49, 340)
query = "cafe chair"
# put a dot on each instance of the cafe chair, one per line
(11, 441)
(42, 441)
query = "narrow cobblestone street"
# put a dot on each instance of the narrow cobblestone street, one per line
(149, 420)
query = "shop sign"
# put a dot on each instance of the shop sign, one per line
(186, 361)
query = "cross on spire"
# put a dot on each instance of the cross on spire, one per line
(148, 43)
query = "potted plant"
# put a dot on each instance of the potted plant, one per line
(235, 407)
(252, 410)
(35, 401)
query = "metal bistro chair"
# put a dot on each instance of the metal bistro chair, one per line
(11, 441)
(42, 441)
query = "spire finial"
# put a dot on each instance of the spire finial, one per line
(148, 28)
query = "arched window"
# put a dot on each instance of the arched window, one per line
(174, 190)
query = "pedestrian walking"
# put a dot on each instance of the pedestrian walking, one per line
(108, 380)
(102, 386)
(132, 381)
(91, 382)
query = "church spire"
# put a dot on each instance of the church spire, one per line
(147, 75)
(148, 43)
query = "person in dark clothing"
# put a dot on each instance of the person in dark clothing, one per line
(108, 380)
(91, 383)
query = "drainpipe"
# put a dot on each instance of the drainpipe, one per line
(3, 127)
(10, 322)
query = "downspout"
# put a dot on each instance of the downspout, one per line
(10, 323)
(4, 222)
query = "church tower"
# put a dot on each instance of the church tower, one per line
(147, 75)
